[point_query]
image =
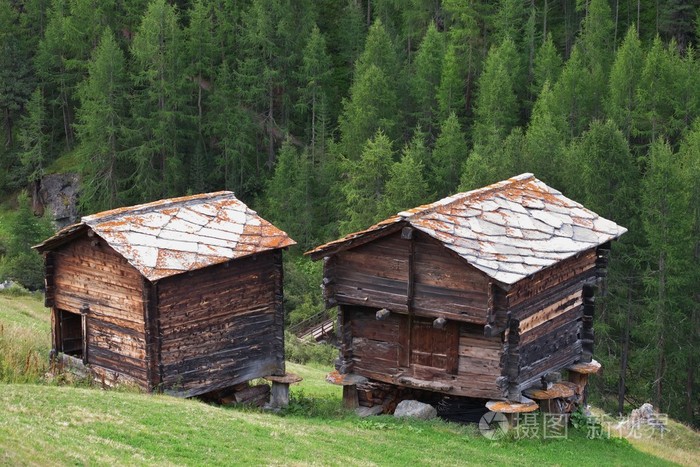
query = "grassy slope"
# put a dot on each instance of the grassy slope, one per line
(43, 424)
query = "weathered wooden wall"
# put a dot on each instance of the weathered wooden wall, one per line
(391, 271)
(467, 364)
(221, 325)
(547, 311)
(88, 272)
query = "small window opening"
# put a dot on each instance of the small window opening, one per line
(71, 342)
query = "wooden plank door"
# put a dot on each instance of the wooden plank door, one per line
(436, 348)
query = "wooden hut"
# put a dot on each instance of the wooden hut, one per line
(481, 294)
(182, 295)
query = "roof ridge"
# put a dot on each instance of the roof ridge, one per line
(139, 208)
(428, 208)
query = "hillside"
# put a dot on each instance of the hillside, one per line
(49, 424)
(65, 425)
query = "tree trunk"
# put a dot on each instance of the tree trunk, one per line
(9, 141)
(625, 353)
(660, 318)
(544, 22)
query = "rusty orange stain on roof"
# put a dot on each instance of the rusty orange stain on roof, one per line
(508, 230)
(176, 235)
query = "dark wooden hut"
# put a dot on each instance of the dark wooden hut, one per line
(182, 295)
(481, 294)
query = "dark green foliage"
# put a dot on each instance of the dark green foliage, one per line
(20, 263)
(159, 112)
(34, 138)
(407, 187)
(365, 188)
(101, 126)
(448, 156)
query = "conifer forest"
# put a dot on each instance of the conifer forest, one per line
(327, 116)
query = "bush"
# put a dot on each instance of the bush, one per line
(21, 263)
(304, 351)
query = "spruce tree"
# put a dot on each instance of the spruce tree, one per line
(496, 109)
(621, 103)
(364, 190)
(406, 186)
(160, 123)
(448, 156)
(425, 80)
(101, 127)
(34, 139)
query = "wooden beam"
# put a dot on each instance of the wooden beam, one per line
(84, 326)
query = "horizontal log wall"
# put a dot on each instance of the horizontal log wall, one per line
(446, 285)
(377, 275)
(373, 275)
(89, 272)
(480, 362)
(222, 325)
(374, 344)
(548, 307)
(373, 349)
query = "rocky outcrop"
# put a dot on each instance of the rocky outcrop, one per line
(58, 194)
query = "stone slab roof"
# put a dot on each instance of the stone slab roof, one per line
(172, 236)
(508, 230)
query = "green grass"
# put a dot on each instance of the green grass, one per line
(63, 425)
(66, 163)
(25, 338)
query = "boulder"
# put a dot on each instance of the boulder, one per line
(59, 194)
(415, 409)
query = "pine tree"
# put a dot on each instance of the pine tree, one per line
(56, 78)
(372, 105)
(603, 167)
(509, 19)
(667, 228)
(101, 126)
(314, 77)
(575, 96)
(159, 115)
(448, 156)
(427, 68)
(547, 66)
(496, 108)
(365, 188)
(406, 187)
(201, 56)
(15, 72)
(233, 132)
(621, 103)
(690, 163)
(20, 263)
(289, 194)
(450, 93)
(34, 138)
(545, 140)
(656, 106)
